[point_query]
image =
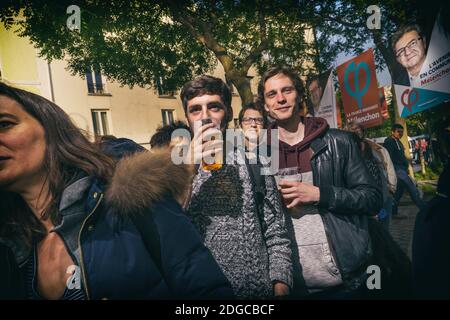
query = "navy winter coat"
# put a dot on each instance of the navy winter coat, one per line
(105, 243)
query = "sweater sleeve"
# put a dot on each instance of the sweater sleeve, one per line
(276, 236)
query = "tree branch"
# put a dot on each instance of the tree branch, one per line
(213, 10)
(262, 22)
(255, 54)
(205, 36)
(338, 20)
(385, 52)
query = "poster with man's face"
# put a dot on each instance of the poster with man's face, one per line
(422, 77)
(321, 100)
(315, 85)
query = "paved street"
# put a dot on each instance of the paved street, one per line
(402, 229)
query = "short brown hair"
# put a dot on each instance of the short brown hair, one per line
(207, 85)
(163, 134)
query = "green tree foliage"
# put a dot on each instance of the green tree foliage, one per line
(136, 42)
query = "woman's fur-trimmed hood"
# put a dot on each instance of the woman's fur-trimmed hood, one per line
(144, 178)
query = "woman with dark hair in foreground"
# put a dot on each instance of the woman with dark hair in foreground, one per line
(80, 226)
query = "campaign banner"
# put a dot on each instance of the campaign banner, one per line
(423, 81)
(321, 98)
(358, 83)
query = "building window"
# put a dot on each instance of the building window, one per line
(167, 117)
(95, 82)
(162, 89)
(101, 122)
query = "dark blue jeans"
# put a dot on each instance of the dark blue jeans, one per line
(404, 182)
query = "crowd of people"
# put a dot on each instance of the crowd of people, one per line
(421, 149)
(111, 220)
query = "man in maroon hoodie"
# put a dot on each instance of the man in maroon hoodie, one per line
(330, 206)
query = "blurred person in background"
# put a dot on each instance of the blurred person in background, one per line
(380, 166)
(431, 237)
(397, 153)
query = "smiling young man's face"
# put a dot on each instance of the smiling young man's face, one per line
(280, 97)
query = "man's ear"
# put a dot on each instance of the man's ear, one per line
(266, 107)
(425, 44)
(228, 116)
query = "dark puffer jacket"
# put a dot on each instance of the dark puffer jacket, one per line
(9, 275)
(107, 246)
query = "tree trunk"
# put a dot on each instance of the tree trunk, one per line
(244, 89)
(242, 84)
(422, 161)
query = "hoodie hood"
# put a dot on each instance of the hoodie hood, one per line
(314, 127)
(144, 178)
(299, 155)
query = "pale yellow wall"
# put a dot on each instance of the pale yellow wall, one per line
(17, 56)
(18, 61)
(137, 111)
(70, 93)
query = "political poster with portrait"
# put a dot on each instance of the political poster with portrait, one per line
(321, 98)
(359, 87)
(424, 82)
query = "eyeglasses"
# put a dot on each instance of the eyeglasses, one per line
(411, 45)
(248, 120)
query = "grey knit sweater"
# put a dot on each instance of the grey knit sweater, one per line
(222, 206)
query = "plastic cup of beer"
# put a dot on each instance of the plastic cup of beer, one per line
(287, 174)
(215, 161)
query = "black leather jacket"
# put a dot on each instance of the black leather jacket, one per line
(348, 195)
